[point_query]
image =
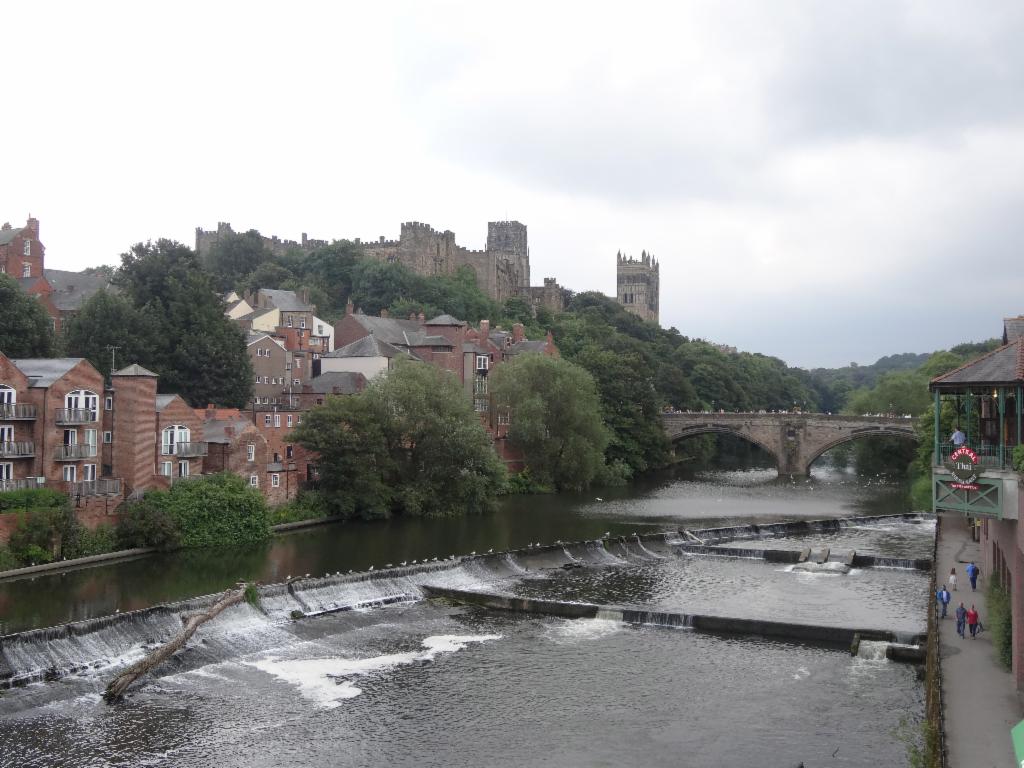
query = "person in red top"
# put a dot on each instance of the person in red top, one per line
(972, 621)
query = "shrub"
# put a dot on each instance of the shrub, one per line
(309, 505)
(39, 532)
(524, 483)
(921, 494)
(35, 498)
(148, 523)
(87, 542)
(1000, 622)
(1018, 458)
(217, 510)
(8, 560)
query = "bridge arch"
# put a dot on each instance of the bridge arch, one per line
(718, 429)
(858, 435)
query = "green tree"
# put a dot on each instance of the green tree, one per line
(409, 444)
(235, 256)
(108, 319)
(556, 418)
(25, 329)
(217, 510)
(198, 352)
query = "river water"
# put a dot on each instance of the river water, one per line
(424, 683)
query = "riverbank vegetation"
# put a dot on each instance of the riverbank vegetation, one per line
(1000, 621)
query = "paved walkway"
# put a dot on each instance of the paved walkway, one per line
(981, 704)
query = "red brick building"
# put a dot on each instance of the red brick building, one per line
(21, 252)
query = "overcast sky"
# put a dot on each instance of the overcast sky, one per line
(823, 182)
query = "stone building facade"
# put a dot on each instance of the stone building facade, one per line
(206, 239)
(638, 285)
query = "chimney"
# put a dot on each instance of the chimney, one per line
(304, 294)
(33, 226)
(485, 329)
(348, 307)
(422, 318)
(211, 411)
(412, 315)
(517, 333)
(383, 313)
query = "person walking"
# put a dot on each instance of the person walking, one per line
(972, 621)
(943, 597)
(973, 572)
(961, 620)
(952, 579)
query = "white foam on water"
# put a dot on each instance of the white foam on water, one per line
(571, 631)
(802, 673)
(322, 680)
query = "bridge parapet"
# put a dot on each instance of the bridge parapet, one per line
(794, 439)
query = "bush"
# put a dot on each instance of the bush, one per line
(309, 505)
(921, 494)
(523, 484)
(1000, 622)
(147, 523)
(35, 498)
(217, 510)
(91, 542)
(39, 533)
(1018, 458)
(8, 560)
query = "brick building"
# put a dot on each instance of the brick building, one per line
(21, 252)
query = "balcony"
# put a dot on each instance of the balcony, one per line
(74, 452)
(71, 416)
(105, 487)
(185, 450)
(24, 484)
(19, 449)
(16, 411)
(989, 455)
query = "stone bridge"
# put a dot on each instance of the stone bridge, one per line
(794, 439)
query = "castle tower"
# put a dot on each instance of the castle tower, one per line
(638, 285)
(509, 239)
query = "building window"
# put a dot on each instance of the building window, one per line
(108, 437)
(82, 400)
(108, 403)
(296, 382)
(6, 470)
(89, 472)
(254, 480)
(182, 469)
(250, 452)
(289, 419)
(90, 440)
(504, 416)
(319, 330)
(480, 385)
(8, 395)
(266, 419)
(166, 468)
(277, 419)
(302, 322)
(482, 362)
(275, 480)
(26, 269)
(173, 436)
(287, 451)
(289, 321)
(69, 473)
(26, 249)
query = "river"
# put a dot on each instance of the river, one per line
(422, 683)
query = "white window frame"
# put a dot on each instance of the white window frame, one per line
(83, 400)
(482, 362)
(275, 480)
(108, 403)
(89, 472)
(266, 419)
(108, 437)
(174, 435)
(6, 433)
(69, 473)
(26, 248)
(297, 382)
(90, 436)
(254, 481)
(6, 470)
(277, 419)
(166, 467)
(8, 395)
(289, 419)
(250, 452)
(26, 269)
(183, 468)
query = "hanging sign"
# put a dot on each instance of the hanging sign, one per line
(963, 466)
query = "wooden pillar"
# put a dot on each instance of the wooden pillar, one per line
(1002, 427)
(936, 458)
(970, 402)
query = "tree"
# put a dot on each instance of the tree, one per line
(198, 352)
(24, 325)
(409, 444)
(107, 319)
(556, 418)
(234, 256)
(216, 511)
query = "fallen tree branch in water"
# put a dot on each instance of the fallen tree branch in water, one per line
(117, 687)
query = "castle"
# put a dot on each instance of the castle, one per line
(502, 269)
(638, 285)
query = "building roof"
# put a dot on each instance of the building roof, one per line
(528, 346)
(8, 234)
(215, 430)
(285, 300)
(1000, 366)
(134, 370)
(162, 401)
(72, 289)
(389, 329)
(369, 346)
(445, 320)
(338, 383)
(1013, 328)
(44, 371)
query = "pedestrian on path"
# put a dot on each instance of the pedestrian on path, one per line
(943, 597)
(952, 578)
(973, 572)
(961, 620)
(972, 621)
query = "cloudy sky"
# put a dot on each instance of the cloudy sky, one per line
(824, 182)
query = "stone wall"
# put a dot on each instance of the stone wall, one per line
(206, 239)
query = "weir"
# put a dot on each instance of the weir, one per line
(54, 652)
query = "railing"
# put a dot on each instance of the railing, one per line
(988, 455)
(76, 415)
(11, 411)
(105, 487)
(17, 449)
(184, 450)
(23, 484)
(74, 452)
